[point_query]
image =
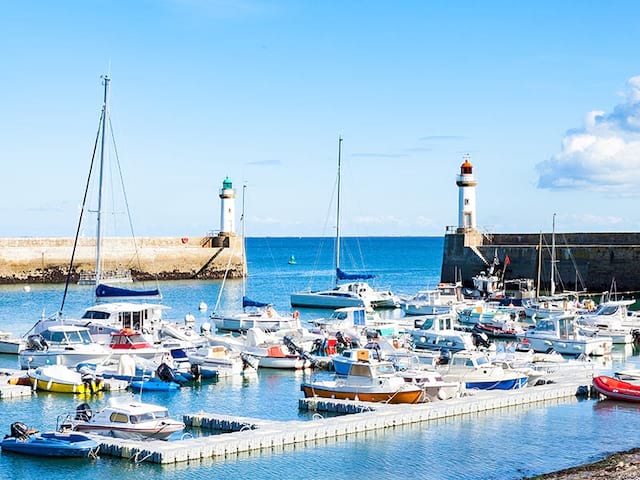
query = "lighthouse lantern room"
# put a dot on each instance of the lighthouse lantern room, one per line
(467, 197)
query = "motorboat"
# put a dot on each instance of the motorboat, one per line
(342, 361)
(616, 389)
(125, 418)
(48, 444)
(434, 302)
(255, 314)
(438, 333)
(611, 319)
(368, 382)
(272, 353)
(545, 307)
(132, 342)
(434, 386)
(62, 379)
(63, 345)
(10, 344)
(562, 334)
(223, 361)
(475, 371)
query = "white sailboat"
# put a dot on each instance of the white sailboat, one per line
(352, 294)
(115, 308)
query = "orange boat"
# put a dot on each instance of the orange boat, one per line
(616, 389)
(368, 382)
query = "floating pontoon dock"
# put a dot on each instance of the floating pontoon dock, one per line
(252, 435)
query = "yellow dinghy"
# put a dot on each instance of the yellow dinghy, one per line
(61, 379)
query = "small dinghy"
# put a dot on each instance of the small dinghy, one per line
(48, 444)
(616, 389)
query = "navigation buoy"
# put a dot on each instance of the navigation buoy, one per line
(27, 288)
(203, 306)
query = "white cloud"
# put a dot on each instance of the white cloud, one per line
(602, 156)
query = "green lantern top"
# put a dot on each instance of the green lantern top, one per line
(227, 183)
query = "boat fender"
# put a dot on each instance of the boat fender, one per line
(296, 314)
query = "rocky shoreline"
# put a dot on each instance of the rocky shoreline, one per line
(619, 466)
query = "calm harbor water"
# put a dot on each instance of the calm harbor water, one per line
(506, 444)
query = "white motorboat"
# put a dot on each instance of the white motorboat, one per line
(561, 333)
(125, 418)
(271, 352)
(444, 298)
(63, 345)
(262, 316)
(438, 333)
(611, 319)
(224, 362)
(10, 344)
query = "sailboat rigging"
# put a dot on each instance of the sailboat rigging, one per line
(353, 294)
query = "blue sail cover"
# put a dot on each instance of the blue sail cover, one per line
(352, 276)
(107, 291)
(247, 302)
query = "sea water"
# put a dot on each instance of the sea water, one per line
(504, 444)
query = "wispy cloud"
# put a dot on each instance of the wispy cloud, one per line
(430, 138)
(265, 163)
(379, 155)
(603, 155)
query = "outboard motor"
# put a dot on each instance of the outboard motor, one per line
(83, 412)
(36, 342)
(165, 373)
(480, 339)
(19, 430)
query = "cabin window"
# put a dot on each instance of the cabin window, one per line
(117, 417)
(359, 370)
(92, 314)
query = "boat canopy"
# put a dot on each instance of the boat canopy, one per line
(247, 302)
(107, 291)
(352, 276)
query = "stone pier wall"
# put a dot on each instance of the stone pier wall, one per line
(46, 260)
(589, 260)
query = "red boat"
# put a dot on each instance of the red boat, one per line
(617, 389)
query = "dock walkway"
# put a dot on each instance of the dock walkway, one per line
(251, 434)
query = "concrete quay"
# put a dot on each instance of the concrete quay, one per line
(46, 260)
(254, 435)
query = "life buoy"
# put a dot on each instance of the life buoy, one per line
(184, 239)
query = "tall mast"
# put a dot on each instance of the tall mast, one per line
(553, 256)
(338, 210)
(244, 246)
(539, 267)
(103, 157)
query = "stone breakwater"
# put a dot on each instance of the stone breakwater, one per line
(47, 260)
(583, 260)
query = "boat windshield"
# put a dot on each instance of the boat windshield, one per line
(385, 369)
(148, 416)
(545, 326)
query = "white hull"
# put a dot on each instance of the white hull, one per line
(325, 299)
(244, 321)
(11, 345)
(30, 359)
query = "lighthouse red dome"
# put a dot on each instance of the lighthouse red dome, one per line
(466, 168)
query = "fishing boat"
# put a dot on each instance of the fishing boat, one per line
(368, 382)
(220, 359)
(616, 389)
(124, 418)
(62, 379)
(48, 444)
(272, 353)
(352, 294)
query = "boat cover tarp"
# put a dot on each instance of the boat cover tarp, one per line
(247, 302)
(107, 291)
(352, 276)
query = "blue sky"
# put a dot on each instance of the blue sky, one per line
(544, 96)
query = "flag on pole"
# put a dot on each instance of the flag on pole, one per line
(507, 261)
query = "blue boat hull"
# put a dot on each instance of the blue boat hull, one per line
(510, 384)
(156, 386)
(52, 445)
